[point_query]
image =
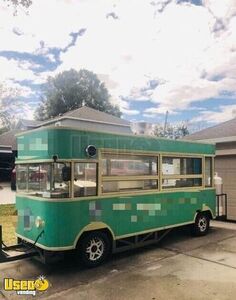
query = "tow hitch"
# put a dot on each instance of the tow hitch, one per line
(16, 252)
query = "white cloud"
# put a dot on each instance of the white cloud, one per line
(14, 70)
(14, 99)
(158, 111)
(124, 106)
(177, 46)
(223, 114)
(184, 47)
(13, 90)
(154, 112)
(221, 9)
(48, 24)
(149, 115)
(196, 108)
(130, 112)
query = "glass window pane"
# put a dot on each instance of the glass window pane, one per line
(22, 177)
(85, 179)
(119, 165)
(43, 180)
(181, 166)
(128, 185)
(208, 171)
(33, 179)
(60, 187)
(183, 182)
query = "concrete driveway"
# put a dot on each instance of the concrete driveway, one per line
(7, 196)
(181, 267)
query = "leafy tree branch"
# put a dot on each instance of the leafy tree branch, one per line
(70, 90)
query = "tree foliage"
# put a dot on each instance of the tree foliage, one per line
(18, 3)
(9, 105)
(70, 90)
(3, 130)
(172, 131)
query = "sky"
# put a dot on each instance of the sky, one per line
(153, 55)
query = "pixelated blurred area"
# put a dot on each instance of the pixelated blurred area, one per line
(95, 211)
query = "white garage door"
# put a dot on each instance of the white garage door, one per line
(226, 168)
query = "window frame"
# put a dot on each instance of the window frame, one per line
(133, 158)
(96, 162)
(185, 176)
(40, 163)
(117, 178)
(158, 177)
(212, 171)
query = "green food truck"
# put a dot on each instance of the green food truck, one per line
(98, 193)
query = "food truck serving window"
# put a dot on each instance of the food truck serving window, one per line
(43, 180)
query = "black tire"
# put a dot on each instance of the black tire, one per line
(94, 248)
(201, 225)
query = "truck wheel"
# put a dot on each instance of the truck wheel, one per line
(94, 248)
(201, 225)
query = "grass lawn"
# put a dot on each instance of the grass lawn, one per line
(8, 221)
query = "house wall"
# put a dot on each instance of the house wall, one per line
(226, 146)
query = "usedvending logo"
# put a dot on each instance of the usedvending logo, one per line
(26, 287)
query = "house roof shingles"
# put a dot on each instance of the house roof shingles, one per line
(226, 129)
(85, 113)
(94, 115)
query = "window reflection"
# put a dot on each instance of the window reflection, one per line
(85, 179)
(44, 180)
(119, 165)
(60, 188)
(183, 182)
(181, 166)
(22, 177)
(174, 167)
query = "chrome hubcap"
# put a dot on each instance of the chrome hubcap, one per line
(95, 249)
(202, 224)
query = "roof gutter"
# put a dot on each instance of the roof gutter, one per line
(5, 149)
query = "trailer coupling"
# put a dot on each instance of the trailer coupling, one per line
(15, 252)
